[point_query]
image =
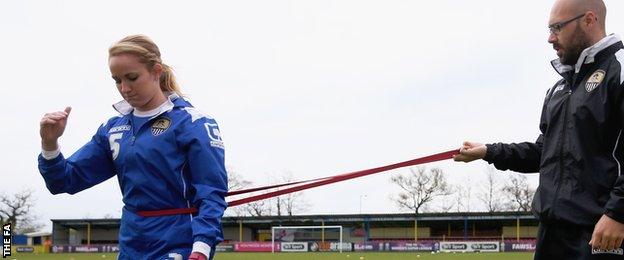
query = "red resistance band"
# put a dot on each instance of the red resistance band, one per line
(166, 212)
(343, 177)
(308, 184)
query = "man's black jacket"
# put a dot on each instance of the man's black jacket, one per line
(580, 153)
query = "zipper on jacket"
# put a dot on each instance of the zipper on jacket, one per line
(561, 146)
(134, 132)
(561, 154)
(138, 130)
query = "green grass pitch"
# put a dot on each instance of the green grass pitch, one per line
(306, 256)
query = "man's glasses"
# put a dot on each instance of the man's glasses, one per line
(555, 28)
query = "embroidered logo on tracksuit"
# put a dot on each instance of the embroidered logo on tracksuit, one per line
(160, 125)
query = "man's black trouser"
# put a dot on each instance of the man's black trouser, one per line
(561, 241)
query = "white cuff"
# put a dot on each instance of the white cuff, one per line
(49, 155)
(201, 247)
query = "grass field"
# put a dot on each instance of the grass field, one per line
(306, 256)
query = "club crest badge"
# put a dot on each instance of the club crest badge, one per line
(160, 126)
(594, 80)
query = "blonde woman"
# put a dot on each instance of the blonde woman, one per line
(167, 156)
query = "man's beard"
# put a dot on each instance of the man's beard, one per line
(579, 43)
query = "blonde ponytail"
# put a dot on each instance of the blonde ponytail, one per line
(168, 80)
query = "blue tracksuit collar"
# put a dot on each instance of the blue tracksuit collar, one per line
(173, 100)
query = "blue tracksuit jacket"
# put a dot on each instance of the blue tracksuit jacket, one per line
(175, 160)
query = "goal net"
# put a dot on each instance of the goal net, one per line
(307, 238)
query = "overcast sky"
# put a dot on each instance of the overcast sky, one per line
(314, 88)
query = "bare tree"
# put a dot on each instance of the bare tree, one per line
(420, 187)
(463, 195)
(296, 202)
(448, 203)
(236, 181)
(286, 204)
(490, 192)
(258, 208)
(458, 198)
(109, 216)
(17, 209)
(292, 202)
(519, 193)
